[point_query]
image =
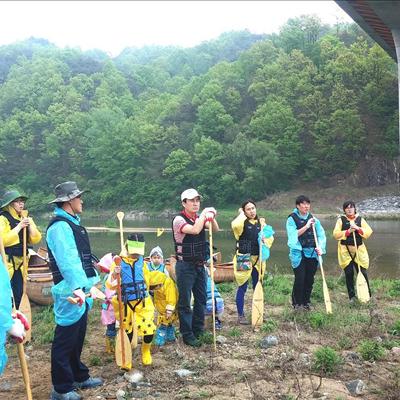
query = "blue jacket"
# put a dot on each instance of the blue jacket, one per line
(61, 242)
(295, 249)
(6, 320)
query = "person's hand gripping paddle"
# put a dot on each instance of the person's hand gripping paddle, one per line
(123, 350)
(327, 298)
(361, 283)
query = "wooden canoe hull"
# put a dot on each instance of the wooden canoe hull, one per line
(40, 279)
(223, 272)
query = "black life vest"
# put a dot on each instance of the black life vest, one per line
(17, 250)
(248, 240)
(307, 239)
(83, 246)
(349, 241)
(193, 246)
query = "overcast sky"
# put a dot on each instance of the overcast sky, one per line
(113, 25)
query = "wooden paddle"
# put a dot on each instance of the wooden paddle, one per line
(361, 283)
(20, 346)
(99, 295)
(327, 298)
(210, 229)
(120, 216)
(123, 350)
(257, 306)
(25, 305)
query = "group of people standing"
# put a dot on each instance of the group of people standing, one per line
(147, 284)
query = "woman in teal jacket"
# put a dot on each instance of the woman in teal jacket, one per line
(303, 250)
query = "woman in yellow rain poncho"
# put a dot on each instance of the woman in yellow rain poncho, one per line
(343, 232)
(246, 227)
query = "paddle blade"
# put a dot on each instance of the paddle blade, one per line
(25, 308)
(134, 341)
(257, 309)
(120, 215)
(160, 231)
(123, 351)
(327, 298)
(362, 288)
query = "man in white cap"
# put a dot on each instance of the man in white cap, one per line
(189, 236)
(73, 273)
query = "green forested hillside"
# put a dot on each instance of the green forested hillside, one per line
(242, 115)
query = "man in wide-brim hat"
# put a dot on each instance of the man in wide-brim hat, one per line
(73, 274)
(12, 224)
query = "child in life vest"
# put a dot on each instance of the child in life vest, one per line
(218, 301)
(165, 294)
(137, 303)
(107, 310)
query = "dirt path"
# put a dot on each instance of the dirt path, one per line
(239, 369)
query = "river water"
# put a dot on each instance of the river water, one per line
(383, 245)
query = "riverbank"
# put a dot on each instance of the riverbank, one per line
(378, 202)
(294, 356)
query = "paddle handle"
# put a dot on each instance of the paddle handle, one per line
(24, 369)
(210, 230)
(325, 290)
(355, 245)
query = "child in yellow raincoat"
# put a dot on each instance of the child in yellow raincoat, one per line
(135, 283)
(246, 228)
(343, 232)
(165, 295)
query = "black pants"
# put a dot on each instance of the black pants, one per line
(304, 281)
(66, 366)
(349, 273)
(191, 278)
(17, 285)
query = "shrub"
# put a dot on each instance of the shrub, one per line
(318, 319)
(235, 332)
(371, 350)
(395, 329)
(269, 326)
(326, 360)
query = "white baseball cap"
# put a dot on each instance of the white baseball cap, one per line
(190, 194)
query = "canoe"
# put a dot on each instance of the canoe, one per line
(40, 279)
(223, 272)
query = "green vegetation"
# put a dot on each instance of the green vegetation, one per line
(238, 112)
(371, 350)
(326, 360)
(42, 325)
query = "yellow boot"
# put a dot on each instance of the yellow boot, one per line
(109, 345)
(146, 354)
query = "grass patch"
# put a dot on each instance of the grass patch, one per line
(43, 325)
(235, 332)
(226, 287)
(371, 350)
(326, 361)
(269, 326)
(277, 288)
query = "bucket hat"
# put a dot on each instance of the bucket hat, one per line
(66, 191)
(10, 196)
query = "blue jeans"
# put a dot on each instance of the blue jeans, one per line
(241, 291)
(191, 278)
